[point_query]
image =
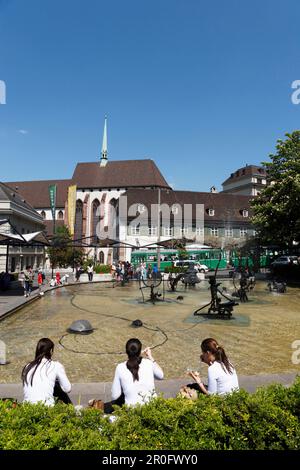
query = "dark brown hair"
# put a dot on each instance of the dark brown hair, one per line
(133, 350)
(212, 346)
(45, 349)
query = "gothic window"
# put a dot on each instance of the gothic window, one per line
(60, 215)
(43, 214)
(95, 216)
(101, 257)
(78, 220)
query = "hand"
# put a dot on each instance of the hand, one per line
(195, 375)
(148, 354)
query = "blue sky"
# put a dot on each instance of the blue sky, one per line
(200, 87)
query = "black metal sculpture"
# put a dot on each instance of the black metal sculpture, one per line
(153, 283)
(221, 309)
(247, 283)
(277, 286)
(189, 278)
(173, 280)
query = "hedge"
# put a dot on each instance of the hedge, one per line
(266, 420)
(175, 269)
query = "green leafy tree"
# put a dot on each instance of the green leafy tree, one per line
(277, 208)
(61, 253)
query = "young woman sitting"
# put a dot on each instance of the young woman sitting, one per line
(44, 379)
(134, 379)
(222, 377)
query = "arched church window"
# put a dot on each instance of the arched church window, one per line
(95, 216)
(101, 257)
(78, 220)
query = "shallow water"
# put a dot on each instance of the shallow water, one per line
(258, 340)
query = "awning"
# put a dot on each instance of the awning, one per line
(34, 238)
(172, 243)
(96, 242)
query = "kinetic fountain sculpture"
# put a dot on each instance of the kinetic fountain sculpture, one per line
(80, 327)
(153, 283)
(277, 286)
(247, 283)
(189, 278)
(221, 309)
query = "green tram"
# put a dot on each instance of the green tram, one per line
(209, 257)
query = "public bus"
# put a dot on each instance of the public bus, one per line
(210, 257)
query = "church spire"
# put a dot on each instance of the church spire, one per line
(103, 160)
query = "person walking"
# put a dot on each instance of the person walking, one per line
(44, 379)
(90, 271)
(57, 278)
(27, 281)
(40, 281)
(77, 273)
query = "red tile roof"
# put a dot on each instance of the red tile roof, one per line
(119, 174)
(227, 207)
(245, 172)
(49, 226)
(36, 193)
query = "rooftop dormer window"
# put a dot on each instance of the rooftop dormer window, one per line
(211, 212)
(245, 213)
(141, 208)
(174, 209)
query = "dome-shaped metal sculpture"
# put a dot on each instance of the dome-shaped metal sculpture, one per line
(81, 327)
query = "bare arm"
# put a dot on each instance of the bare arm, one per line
(157, 370)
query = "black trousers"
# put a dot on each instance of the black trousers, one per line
(60, 394)
(196, 386)
(108, 406)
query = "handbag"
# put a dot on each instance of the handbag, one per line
(97, 404)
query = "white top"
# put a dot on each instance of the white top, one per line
(138, 391)
(220, 381)
(44, 380)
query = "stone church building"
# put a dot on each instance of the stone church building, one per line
(90, 199)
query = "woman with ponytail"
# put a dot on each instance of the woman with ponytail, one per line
(222, 377)
(135, 377)
(43, 378)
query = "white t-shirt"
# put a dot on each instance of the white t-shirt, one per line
(220, 381)
(44, 380)
(138, 391)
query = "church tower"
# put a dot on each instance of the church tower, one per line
(103, 160)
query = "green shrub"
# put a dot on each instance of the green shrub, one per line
(175, 269)
(98, 268)
(267, 419)
(102, 268)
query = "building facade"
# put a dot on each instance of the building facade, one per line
(24, 219)
(96, 209)
(247, 181)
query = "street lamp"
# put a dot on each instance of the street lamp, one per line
(158, 228)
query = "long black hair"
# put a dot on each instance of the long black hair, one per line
(44, 349)
(133, 350)
(212, 346)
